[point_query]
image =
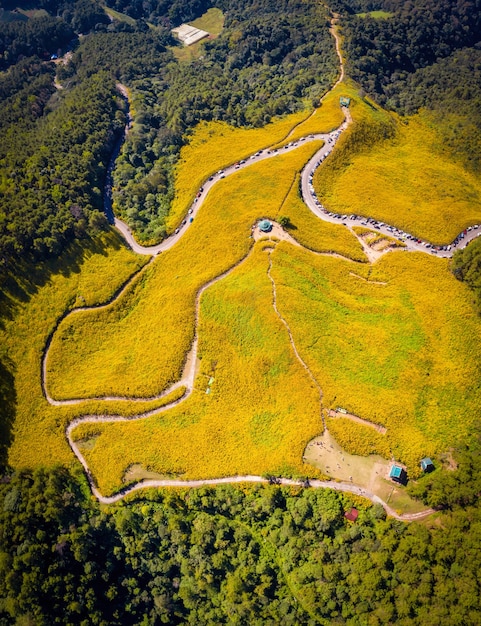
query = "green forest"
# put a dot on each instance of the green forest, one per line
(229, 555)
(268, 61)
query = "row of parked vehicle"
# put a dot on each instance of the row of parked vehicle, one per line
(381, 226)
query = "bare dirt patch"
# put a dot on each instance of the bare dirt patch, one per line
(370, 473)
(275, 235)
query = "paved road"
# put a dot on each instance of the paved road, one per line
(411, 243)
(261, 155)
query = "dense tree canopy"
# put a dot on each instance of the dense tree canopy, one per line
(227, 555)
(270, 57)
(466, 265)
(52, 168)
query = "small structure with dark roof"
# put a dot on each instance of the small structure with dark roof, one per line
(265, 226)
(398, 474)
(352, 514)
(427, 465)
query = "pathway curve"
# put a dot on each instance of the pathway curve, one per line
(188, 376)
(187, 380)
(411, 243)
(315, 484)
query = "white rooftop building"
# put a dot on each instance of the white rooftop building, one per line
(189, 34)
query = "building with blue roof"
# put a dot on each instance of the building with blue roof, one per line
(427, 465)
(398, 474)
(265, 226)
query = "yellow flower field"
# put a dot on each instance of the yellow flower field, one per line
(262, 408)
(117, 342)
(396, 343)
(216, 145)
(356, 438)
(328, 116)
(83, 276)
(316, 234)
(406, 180)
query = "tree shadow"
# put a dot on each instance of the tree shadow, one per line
(19, 282)
(8, 403)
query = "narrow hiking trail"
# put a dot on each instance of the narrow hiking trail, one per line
(291, 341)
(187, 380)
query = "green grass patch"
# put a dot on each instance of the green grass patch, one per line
(10, 16)
(399, 354)
(119, 17)
(376, 15)
(212, 21)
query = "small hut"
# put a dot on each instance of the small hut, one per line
(265, 226)
(344, 101)
(398, 474)
(427, 465)
(352, 514)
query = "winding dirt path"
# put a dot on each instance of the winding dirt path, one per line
(360, 420)
(188, 376)
(315, 484)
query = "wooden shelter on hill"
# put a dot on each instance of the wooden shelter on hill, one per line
(427, 465)
(398, 474)
(352, 514)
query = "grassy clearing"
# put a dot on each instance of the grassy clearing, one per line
(370, 472)
(400, 354)
(316, 234)
(377, 15)
(212, 21)
(215, 145)
(401, 177)
(186, 54)
(120, 17)
(31, 13)
(261, 410)
(86, 274)
(116, 342)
